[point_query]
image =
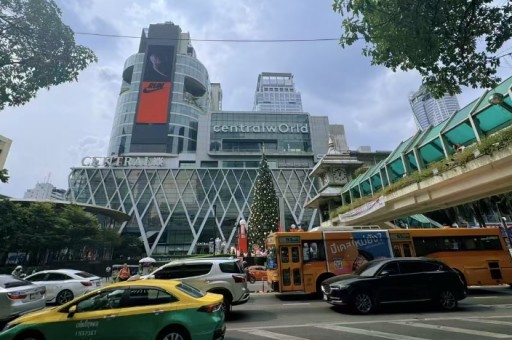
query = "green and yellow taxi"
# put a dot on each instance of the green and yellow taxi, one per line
(145, 309)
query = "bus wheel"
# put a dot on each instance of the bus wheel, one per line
(319, 281)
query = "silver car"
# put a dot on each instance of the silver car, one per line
(18, 297)
(223, 276)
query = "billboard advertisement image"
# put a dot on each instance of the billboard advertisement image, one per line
(346, 252)
(156, 85)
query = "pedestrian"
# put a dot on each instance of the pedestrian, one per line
(17, 272)
(108, 273)
(124, 273)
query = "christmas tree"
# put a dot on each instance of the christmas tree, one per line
(264, 216)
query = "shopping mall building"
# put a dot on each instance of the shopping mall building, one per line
(182, 168)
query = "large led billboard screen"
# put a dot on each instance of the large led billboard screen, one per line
(156, 85)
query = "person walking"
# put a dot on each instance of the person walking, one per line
(124, 273)
(108, 273)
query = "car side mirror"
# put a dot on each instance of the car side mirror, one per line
(71, 311)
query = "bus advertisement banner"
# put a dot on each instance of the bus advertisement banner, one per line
(346, 252)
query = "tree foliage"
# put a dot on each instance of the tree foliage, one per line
(36, 50)
(4, 176)
(47, 232)
(449, 42)
(264, 216)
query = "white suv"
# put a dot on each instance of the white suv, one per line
(223, 276)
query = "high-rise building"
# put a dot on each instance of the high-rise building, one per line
(182, 168)
(45, 191)
(5, 145)
(275, 92)
(430, 111)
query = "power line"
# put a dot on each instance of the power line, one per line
(213, 40)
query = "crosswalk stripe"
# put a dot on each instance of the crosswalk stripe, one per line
(454, 329)
(378, 334)
(493, 322)
(271, 335)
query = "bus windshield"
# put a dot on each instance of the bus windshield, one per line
(271, 258)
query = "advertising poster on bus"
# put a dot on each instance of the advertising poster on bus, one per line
(346, 252)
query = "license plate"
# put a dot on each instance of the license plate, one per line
(34, 296)
(97, 284)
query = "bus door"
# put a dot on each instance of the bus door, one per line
(403, 249)
(291, 268)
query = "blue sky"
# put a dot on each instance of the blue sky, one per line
(55, 130)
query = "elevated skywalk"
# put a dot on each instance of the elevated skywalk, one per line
(465, 158)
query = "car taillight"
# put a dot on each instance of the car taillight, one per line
(210, 308)
(86, 283)
(17, 295)
(240, 278)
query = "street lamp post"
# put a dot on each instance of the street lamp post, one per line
(281, 212)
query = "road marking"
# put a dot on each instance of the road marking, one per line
(296, 304)
(486, 297)
(493, 322)
(454, 329)
(378, 334)
(271, 335)
(373, 321)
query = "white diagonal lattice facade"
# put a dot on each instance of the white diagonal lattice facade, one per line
(180, 210)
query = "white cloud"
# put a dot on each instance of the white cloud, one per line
(54, 131)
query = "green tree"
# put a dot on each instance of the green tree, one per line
(4, 175)
(131, 246)
(36, 50)
(449, 42)
(264, 217)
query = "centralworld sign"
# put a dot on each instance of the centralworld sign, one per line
(263, 128)
(123, 161)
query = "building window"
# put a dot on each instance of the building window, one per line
(209, 164)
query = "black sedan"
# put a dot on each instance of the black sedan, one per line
(396, 280)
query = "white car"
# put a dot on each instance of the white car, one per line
(63, 285)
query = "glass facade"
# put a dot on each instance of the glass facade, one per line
(198, 187)
(276, 92)
(177, 210)
(429, 111)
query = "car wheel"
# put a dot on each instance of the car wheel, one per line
(64, 296)
(252, 279)
(362, 303)
(226, 304)
(174, 334)
(447, 300)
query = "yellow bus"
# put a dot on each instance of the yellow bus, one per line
(299, 262)
(480, 255)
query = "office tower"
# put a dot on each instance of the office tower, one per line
(430, 111)
(5, 145)
(275, 92)
(45, 191)
(182, 167)
(164, 91)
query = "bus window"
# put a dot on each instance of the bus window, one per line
(313, 251)
(295, 255)
(271, 258)
(284, 255)
(407, 250)
(397, 252)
